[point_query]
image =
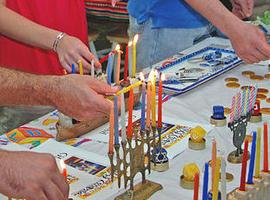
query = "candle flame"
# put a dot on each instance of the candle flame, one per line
(135, 39)
(62, 165)
(117, 48)
(163, 78)
(130, 43)
(141, 76)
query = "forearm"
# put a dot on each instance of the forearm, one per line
(18, 88)
(217, 14)
(22, 29)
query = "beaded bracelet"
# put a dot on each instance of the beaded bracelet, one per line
(56, 42)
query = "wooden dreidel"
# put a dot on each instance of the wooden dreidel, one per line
(187, 178)
(218, 118)
(197, 140)
(256, 115)
(160, 160)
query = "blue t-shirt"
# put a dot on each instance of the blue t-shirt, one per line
(166, 13)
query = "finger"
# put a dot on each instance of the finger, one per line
(53, 192)
(265, 49)
(89, 57)
(66, 66)
(102, 88)
(37, 195)
(85, 64)
(260, 56)
(60, 182)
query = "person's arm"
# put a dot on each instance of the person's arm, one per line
(248, 41)
(70, 49)
(29, 175)
(78, 96)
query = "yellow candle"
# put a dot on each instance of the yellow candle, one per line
(126, 89)
(80, 67)
(216, 179)
(154, 100)
(148, 108)
(258, 153)
(134, 54)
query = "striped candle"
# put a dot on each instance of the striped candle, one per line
(243, 103)
(238, 105)
(255, 95)
(235, 107)
(232, 109)
(252, 96)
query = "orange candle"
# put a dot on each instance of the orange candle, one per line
(214, 159)
(111, 134)
(160, 102)
(148, 108)
(154, 100)
(130, 111)
(196, 186)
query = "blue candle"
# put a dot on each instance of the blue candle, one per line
(252, 159)
(143, 107)
(110, 68)
(116, 129)
(73, 69)
(205, 182)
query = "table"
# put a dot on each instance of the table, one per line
(196, 106)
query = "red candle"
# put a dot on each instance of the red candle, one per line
(126, 61)
(265, 148)
(196, 186)
(130, 110)
(244, 167)
(160, 102)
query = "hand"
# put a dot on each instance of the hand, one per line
(70, 50)
(242, 8)
(31, 176)
(82, 97)
(249, 43)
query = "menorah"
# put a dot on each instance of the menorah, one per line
(133, 156)
(241, 111)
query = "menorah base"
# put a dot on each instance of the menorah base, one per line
(142, 191)
(237, 194)
(196, 145)
(186, 184)
(160, 167)
(218, 122)
(234, 158)
(256, 118)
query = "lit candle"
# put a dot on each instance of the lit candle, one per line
(130, 111)
(214, 158)
(111, 134)
(93, 68)
(148, 108)
(126, 89)
(143, 103)
(130, 61)
(127, 61)
(117, 71)
(63, 169)
(265, 147)
(252, 159)
(116, 129)
(109, 68)
(244, 167)
(154, 100)
(134, 53)
(223, 179)
(216, 179)
(73, 69)
(196, 186)
(205, 182)
(123, 118)
(258, 153)
(161, 76)
(80, 67)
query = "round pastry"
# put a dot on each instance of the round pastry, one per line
(227, 111)
(248, 73)
(189, 171)
(231, 79)
(267, 76)
(233, 85)
(197, 134)
(262, 91)
(256, 77)
(261, 97)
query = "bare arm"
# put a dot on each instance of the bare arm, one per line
(19, 28)
(248, 41)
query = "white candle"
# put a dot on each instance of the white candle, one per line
(123, 118)
(93, 68)
(223, 179)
